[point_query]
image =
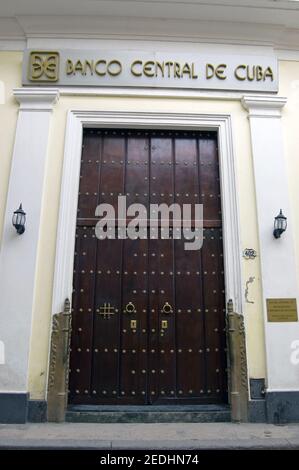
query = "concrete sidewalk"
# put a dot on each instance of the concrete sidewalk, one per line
(149, 436)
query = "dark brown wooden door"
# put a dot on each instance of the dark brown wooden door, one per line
(148, 316)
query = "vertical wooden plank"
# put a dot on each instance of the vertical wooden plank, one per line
(162, 366)
(190, 329)
(89, 175)
(214, 306)
(137, 169)
(106, 341)
(209, 178)
(189, 299)
(112, 168)
(134, 308)
(83, 308)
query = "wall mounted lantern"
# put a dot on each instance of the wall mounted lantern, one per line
(19, 219)
(280, 224)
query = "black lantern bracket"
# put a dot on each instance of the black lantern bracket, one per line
(19, 219)
(280, 224)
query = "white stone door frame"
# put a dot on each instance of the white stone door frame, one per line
(76, 121)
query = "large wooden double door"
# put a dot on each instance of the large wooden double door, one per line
(148, 316)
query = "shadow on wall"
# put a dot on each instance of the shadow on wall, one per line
(2, 92)
(2, 353)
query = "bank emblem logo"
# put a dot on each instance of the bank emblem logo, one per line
(44, 66)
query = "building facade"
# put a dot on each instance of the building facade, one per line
(188, 103)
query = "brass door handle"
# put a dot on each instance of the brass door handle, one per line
(167, 308)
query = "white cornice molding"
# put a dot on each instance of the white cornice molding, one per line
(36, 99)
(263, 106)
(85, 28)
(158, 29)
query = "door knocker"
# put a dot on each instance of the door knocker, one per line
(167, 308)
(130, 308)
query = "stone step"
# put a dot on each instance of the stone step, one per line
(148, 414)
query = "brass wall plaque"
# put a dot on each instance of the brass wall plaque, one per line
(282, 310)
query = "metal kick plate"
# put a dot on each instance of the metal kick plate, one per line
(282, 310)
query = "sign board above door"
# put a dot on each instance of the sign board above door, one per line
(85, 68)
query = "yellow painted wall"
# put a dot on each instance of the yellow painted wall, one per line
(246, 195)
(10, 77)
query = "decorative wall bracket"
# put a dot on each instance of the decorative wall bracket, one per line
(59, 364)
(237, 365)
